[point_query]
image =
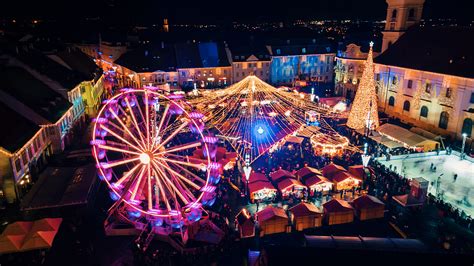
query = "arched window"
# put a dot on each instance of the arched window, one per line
(424, 111)
(391, 101)
(411, 14)
(406, 106)
(467, 127)
(394, 14)
(443, 120)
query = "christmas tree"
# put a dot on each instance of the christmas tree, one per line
(364, 108)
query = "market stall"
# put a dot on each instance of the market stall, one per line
(290, 186)
(338, 212)
(281, 174)
(272, 220)
(345, 181)
(262, 190)
(306, 172)
(318, 183)
(245, 223)
(368, 207)
(306, 215)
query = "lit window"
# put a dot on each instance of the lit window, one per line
(410, 84)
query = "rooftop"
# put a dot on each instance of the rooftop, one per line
(17, 129)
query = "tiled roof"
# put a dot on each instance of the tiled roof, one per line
(200, 55)
(149, 59)
(435, 49)
(33, 93)
(17, 130)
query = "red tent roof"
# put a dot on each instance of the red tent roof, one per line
(280, 173)
(18, 228)
(357, 171)
(307, 172)
(11, 243)
(337, 205)
(316, 179)
(47, 224)
(259, 185)
(288, 183)
(39, 240)
(254, 177)
(341, 176)
(331, 169)
(270, 212)
(367, 202)
(305, 209)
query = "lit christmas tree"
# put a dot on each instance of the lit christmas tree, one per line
(363, 113)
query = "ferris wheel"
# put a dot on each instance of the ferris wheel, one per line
(142, 142)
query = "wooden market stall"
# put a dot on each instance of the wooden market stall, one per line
(345, 181)
(361, 172)
(331, 169)
(306, 172)
(272, 220)
(245, 224)
(262, 190)
(281, 174)
(338, 211)
(291, 186)
(318, 183)
(306, 215)
(368, 207)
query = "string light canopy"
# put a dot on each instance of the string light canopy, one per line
(253, 115)
(363, 113)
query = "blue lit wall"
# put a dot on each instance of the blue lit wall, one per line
(285, 68)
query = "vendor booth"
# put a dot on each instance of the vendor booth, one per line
(290, 186)
(281, 174)
(306, 215)
(345, 181)
(262, 190)
(338, 212)
(318, 183)
(245, 224)
(306, 172)
(368, 207)
(272, 220)
(407, 138)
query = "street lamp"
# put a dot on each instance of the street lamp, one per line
(464, 136)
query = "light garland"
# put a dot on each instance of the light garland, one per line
(365, 102)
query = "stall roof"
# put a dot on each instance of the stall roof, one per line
(337, 205)
(270, 212)
(341, 176)
(316, 179)
(331, 169)
(367, 202)
(259, 185)
(289, 182)
(280, 173)
(357, 171)
(255, 177)
(403, 135)
(294, 139)
(305, 209)
(307, 172)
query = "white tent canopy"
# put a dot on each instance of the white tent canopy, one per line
(406, 137)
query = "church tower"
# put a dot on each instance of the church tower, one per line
(401, 14)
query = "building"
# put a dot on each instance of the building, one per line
(36, 101)
(272, 220)
(426, 80)
(203, 65)
(349, 68)
(24, 150)
(306, 215)
(249, 60)
(401, 15)
(306, 62)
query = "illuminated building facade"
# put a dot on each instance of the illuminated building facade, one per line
(249, 60)
(301, 62)
(426, 80)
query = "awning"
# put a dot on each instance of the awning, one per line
(406, 137)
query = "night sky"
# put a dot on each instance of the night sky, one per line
(212, 11)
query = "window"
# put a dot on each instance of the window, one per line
(391, 101)
(278, 51)
(448, 92)
(410, 84)
(411, 14)
(303, 50)
(428, 88)
(377, 77)
(394, 14)
(443, 120)
(467, 127)
(424, 111)
(406, 106)
(472, 98)
(23, 158)
(394, 80)
(18, 165)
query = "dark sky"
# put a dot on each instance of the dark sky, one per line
(212, 11)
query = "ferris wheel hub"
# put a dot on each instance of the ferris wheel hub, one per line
(145, 158)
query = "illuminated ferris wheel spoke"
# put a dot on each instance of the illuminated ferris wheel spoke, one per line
(137, 183)
(127, 175)
(181, 148)
(191, 174)
(161, 191)
(111, 148)
(162, 120)
(197, 166)
(171, 186)
(124, 127)
(111, 132)
(170, 137)
(150, 198)
(134, 119)
(119, 162)
(147, 120)
(166, 166)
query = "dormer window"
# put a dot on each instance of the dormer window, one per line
(278, 51)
